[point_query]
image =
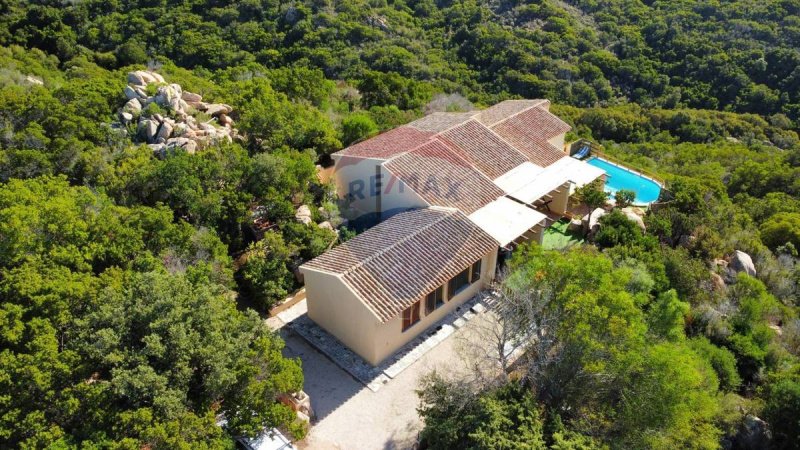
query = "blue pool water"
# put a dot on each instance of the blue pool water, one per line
(617, 178)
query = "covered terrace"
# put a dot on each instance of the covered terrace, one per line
(549, 189)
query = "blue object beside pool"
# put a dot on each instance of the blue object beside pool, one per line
(617, 178)
(582, 153)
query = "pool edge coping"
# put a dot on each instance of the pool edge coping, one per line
(661, 185)
(639, 205)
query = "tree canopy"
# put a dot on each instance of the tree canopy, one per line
(125, 276)
(119, 327)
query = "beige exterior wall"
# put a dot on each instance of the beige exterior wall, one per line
(334, 307)
(561, 199)
(558, 142)
(390, 335)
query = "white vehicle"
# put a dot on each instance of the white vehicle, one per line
(268, 440)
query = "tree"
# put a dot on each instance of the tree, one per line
(721, 359)
(131, 52)
(592, 195)
(624, 198)
(617, 229)
(383, 89)
(272, 121)
(669, 402)
(264, 274)
(204, 189)
(356, 127)
(782, 408)
(780, 229)
(279, 179)
(587, 353)
(667, 316)
(119, 328)
(500, 418)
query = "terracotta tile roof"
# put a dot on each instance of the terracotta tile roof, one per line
(483, 148)
(529, 131)
(442, 178)
(503, 110)
(402, 259)
(538, 152)
(386, 145)
(538, 122)
(440, 121)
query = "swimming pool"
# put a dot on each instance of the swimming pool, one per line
(617, 178)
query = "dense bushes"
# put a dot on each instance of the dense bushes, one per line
(115, 315)
(588, 54)
(655, 329)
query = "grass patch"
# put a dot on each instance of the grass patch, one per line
(558, 237)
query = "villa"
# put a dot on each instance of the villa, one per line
(454, 193)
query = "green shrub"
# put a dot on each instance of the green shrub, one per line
(356, 127)
(722, 360)
(780, 229)
(624, 197)
(617, 229)
(264, 275)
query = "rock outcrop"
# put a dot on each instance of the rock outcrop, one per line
(171, 124)
(33, 80)
(717, 282)
(742, 262)
(635, 215)
(303, 214)
(753, 433)
(592, 221)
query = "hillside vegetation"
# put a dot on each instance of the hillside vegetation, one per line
(127, 278)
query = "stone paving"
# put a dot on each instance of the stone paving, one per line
(375, 377)
(348, 415)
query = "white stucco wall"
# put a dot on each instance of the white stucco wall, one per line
(355, 183)
(355, 180)
(397, 195)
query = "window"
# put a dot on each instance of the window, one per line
(434, 300)
(410, 316)
(476, 272)
(458, 283)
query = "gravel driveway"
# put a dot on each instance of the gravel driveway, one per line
(352, 417)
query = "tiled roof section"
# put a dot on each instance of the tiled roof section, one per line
(381, 236)
(398, 262)
(386, 145)
(503, 110)
(529, 131)
(539, 122)
(483, 149)
(440, 121)
(442, 178)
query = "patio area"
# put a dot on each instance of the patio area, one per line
(349, 414)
